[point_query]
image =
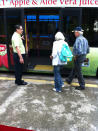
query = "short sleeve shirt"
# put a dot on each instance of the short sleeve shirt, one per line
(17, 42)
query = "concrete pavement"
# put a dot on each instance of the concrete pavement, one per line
(36, 106)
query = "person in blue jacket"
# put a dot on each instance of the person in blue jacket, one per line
(80, 50)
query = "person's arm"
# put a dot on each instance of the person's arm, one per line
(54, 51)
(20, 56)
(76, 48)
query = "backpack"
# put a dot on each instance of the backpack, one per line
(66, 54)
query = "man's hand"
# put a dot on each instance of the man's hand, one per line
(23, 37)
(21, 60)
(20, 56)
(51, 57)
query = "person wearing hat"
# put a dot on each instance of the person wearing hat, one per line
(80, 50)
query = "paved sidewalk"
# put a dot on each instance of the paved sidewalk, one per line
(37, 107)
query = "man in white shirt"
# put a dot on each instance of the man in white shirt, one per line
(18, 53)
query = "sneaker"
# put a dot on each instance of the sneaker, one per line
(54, 89)
(80, 88)
(63, 86)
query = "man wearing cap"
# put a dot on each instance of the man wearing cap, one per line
(80, 50)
